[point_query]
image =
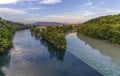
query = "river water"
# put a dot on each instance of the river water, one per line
(83, 57)
(100, 55)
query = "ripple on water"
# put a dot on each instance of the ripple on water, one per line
(92, 57)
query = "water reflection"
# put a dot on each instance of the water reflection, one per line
(54, 52)
(4, 61)
(30, 57)
(99, 54)
(103, 47)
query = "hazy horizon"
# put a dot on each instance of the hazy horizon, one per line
(64, 11)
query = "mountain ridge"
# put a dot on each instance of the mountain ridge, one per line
(48, 23)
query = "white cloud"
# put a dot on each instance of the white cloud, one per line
(11, 11)
(8, 1)
(107, 11)
(58, 18)
(89, 3)
(31, 0)
(87, 13)
(34, 8)
(50, 1)
(98, 5)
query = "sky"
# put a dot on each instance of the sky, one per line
(65, 11)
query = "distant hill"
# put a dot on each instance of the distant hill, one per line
(7, 30)
(105, 27)
(109, 19)
(13, 26)
(47, 23)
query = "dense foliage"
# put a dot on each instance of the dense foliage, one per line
(7, 29)
(105, 27)
(53, 51)
(54, 34)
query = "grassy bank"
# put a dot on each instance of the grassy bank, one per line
(105, 27)
(7, 29)
(54, 34)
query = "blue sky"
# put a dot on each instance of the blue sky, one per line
(67, 11)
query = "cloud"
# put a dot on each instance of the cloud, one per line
(102, 3)
(109, 11)
(89, 3)
(87, 13)
(98, 5)
(11, 11)
(65, 18)
(50, 1)
(8, 1)
(34, 8)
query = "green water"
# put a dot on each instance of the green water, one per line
(31, 56)
(101, 55)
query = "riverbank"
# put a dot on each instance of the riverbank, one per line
(105, 28)
(7, 30)
(35, 57)
(54, 34)
(100, 55)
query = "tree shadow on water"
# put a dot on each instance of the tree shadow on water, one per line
(54, 52)
(4, 61)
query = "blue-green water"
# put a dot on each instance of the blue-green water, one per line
(84, 56)
(36, 57)
(100, 55)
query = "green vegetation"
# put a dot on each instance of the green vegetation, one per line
(53, 51)
(7, 29)
(54, 34)
(5, 38)
(35, 30)
(105, 27)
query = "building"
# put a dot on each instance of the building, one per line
(42, 27)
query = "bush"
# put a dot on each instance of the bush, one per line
(106, 27)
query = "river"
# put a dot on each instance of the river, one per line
(83, 57)
(102, 56)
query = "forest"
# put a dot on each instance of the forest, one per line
(7, 30)
(54, 34)
(105, 28)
